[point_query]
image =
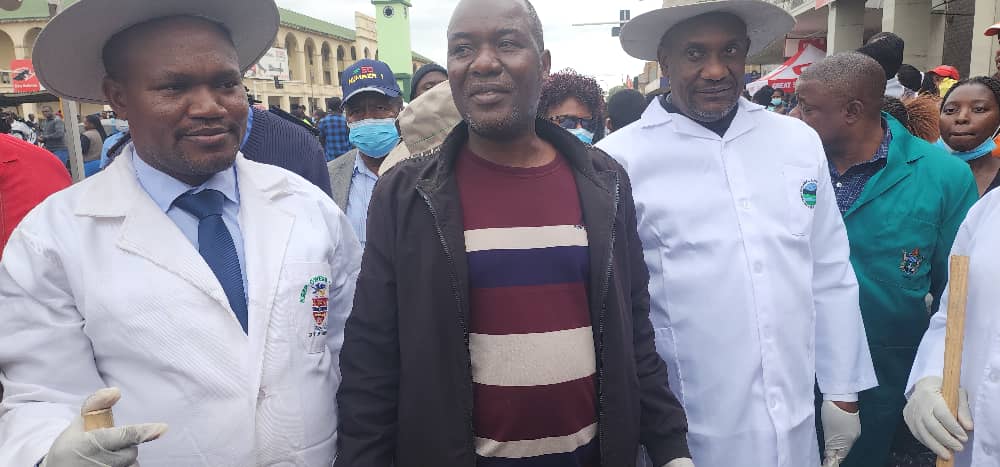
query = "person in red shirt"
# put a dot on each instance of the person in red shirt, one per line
(28, 175)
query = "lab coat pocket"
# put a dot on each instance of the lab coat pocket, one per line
(801, 190)
(307, 293)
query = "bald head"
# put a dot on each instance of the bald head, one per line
(467, 6)
(850, 76)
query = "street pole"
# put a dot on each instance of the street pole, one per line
(70, 116)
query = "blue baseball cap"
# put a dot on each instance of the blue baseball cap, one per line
(369, 75)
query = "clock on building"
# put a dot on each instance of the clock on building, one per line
(388, 11)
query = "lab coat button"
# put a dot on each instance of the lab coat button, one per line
(758, 267)
(988, 450)
(745, 204)
(995, 376)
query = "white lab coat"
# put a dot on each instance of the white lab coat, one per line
(977, 238)
(100, 288)
(753, 297)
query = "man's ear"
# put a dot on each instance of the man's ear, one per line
(114, 91)
(853, 111)
(607, 125)
(546, 64)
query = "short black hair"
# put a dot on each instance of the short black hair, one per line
(113, 53)
(895, 107)
(624, 107)
(909, 77)
(763, 96)
(536, 25)
(887, 49)
(334, 104)
(991, 83)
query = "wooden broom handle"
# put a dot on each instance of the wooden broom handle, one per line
(98, 419)
(958, 287)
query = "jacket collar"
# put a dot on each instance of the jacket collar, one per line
(903, 152)
(146, 231)
(746, 119)
(598, 192)
(575, 152)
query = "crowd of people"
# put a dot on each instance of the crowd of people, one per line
(503, 266)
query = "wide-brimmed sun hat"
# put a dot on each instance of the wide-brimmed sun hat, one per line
(68, 53)
(765, 23)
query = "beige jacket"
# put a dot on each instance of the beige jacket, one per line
(424, 125)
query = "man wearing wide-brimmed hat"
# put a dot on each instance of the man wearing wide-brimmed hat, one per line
(753, 297)
(203, 290)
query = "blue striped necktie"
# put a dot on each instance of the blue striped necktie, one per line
(216, 246)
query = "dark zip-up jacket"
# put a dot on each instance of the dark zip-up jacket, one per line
(406, 398)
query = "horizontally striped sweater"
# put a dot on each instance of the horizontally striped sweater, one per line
(531, 342)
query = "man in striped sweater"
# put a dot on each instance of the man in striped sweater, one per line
(501, 315)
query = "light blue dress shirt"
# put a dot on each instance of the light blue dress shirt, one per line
(164, 189)
(360, 194)
(108, 143)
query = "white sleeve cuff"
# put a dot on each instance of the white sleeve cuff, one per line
(841, 397)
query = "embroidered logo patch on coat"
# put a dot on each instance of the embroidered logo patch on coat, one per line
(317, 292)
(808, 192)
(911, 262)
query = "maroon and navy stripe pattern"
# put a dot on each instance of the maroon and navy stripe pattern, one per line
(531, 341)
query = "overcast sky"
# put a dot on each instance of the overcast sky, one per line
(590, 50)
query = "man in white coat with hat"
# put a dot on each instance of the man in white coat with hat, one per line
(207, 292)
(753, 297)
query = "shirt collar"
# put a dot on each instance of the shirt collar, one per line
(881, 154)
(883, 148)
(361, 168)
(164, 189)
(249, 127)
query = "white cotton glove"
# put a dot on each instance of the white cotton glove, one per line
(932, 423)
(108, 447)
(680, 462)
(840, 430)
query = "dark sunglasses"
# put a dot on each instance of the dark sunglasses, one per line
(570, 122)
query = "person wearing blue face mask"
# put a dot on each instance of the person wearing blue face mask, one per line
(970, 121)
(574, 102)
(372, 101)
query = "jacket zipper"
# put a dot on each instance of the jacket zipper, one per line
(600, 333)
(461, 320)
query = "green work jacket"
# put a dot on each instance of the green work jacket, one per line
(901, 229)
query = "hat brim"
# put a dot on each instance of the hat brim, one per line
(765, 23)
(68, 53)
(992, 30)
(386, 91)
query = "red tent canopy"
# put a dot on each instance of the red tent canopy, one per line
(784, 76)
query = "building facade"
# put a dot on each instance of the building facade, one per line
(317, 52)
(936, 32)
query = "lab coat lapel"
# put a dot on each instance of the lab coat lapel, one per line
(267, 230)
(741, 124)
(146, 230)
(744, 120)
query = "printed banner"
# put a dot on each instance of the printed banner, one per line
(23, 77)
(273, 63)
